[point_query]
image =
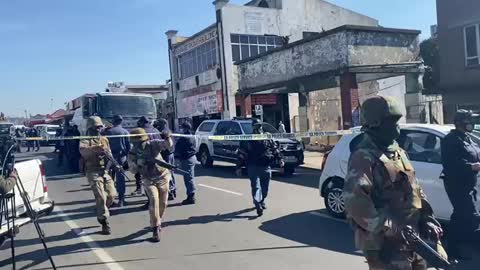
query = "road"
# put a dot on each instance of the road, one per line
(220, 232)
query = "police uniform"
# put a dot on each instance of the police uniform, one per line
(258, 156)
(156, 179)
(459, 153)
(100, 181)
(381, 192)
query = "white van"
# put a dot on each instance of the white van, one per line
(47, 131)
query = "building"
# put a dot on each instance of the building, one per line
(459, 43)
(202, 66)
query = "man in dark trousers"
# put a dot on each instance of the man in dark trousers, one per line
(461, 165)
(71, 149)
(167, 155)
(120, 147)
(258, 156)
(185, 151)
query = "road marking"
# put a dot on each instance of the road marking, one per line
(322, 215)
(221, 189)
(96, 249)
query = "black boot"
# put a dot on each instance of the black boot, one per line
(106, 230)
(171, 195)
(190, 200)
(259, 210)
(156, 237)
(263, 205)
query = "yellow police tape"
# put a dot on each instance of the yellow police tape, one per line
(248, 137)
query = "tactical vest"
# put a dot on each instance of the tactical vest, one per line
(97, 163)
(146, 156)
(395, 188)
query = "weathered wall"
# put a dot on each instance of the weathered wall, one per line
(321, 55)
(373, 48)
(452, 18)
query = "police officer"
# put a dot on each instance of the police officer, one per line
(93, 152)
(258, 156)
(461, 164)
(167, 155)
(156, 179)
(185, 152)
(381, 193)
(120, 147)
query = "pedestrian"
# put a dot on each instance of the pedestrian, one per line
(30, 143)
(461, 166)
(185, 152)
(258, 157)
(72, 149)
(120, 147)
(156, 179)
(93, 151)
(63, 144)
(19, 135)
(167, 155)
(58, 133)
(382, 195)
(281, 127)
(153, 134)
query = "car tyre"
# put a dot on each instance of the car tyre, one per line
(289, 170)
(334, 201)
(205, 158)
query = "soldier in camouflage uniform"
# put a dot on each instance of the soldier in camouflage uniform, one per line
(381, 192)
(93, 152)
(156, 179)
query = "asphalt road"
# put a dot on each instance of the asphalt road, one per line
(220, 232)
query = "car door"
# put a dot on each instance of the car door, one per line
(232, 146)
(219, 147)
(424, 151)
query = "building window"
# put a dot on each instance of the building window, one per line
(472, 45)
(198, 60)
(245, 46)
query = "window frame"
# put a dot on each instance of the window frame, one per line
(477, 57)
(405, 132)
(260, 42)
(200, 59)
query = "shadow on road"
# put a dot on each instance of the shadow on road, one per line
(303, 177)
(228, 217)
(313, 231)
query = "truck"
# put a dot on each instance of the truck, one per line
(106, 105)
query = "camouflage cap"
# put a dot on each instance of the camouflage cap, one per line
(94, 121)
(374, 110)
(140, 135)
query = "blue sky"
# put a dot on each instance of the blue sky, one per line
(52, 51)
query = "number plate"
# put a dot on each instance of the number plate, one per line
(290, 159)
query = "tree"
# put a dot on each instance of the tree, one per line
(429, 51)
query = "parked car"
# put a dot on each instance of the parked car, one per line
(32, 175)
(422, 142)
(47, 131)
(210, 151)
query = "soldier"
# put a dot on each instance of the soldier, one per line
(381, 193)
(93, 152)
(461, 166)
(7, 184)
(143, 159)
(258, 156)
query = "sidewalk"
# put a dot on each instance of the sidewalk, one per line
(313, 160)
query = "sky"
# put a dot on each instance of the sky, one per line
(52, 51)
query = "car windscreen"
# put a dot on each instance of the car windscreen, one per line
(267, 128)
(5, 129)
(127, 106)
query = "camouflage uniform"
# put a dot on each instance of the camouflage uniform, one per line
(156, 178)
(103, 187)
(382, 194)
(7, 184)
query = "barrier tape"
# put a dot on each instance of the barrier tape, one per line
(249, 137)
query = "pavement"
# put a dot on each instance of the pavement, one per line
(221, 231)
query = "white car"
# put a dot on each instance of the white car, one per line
(32, 175)
(421, 142)
(47, 131)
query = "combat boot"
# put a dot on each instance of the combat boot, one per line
(106, 230)
(156, 237)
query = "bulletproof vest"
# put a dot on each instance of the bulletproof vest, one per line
(395, 187)
(98, 162)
